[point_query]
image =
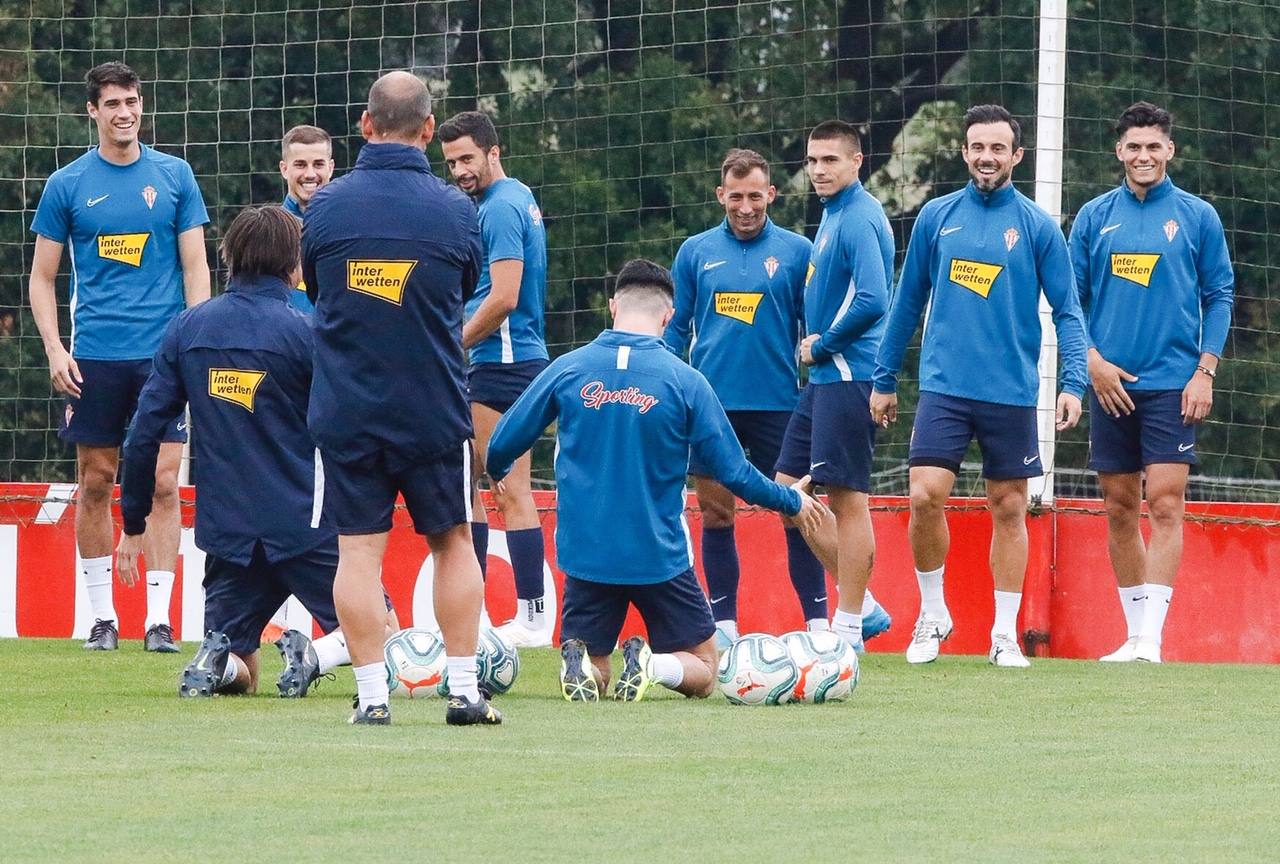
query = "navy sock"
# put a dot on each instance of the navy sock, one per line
(807, 576)
(527, 555)
(480, 542)
(720, 564)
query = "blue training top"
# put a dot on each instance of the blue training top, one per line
(389, 254)
(511, 225)
(628, 413)
(1155, 276)
(847, 287)
(981, 260)
(740, 311)
(298, 298)
(122, 224)
(243, 363)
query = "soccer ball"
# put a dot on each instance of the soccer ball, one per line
(826, 666)
(756, 670)
(415, 664)
(497, 662)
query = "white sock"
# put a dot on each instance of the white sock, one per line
(96, 573)
(159, 590)
(868, 603)
(848, 626)
(931, 600)
(530, 613)
(730, 628)
(813, 625)
(1154, 608)
(331, 650)
(371, 684)
(667, 670)
(1131, 601)
(1007, 605)
(462, 677)
(229, 675)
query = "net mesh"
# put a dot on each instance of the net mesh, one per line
(617, 113)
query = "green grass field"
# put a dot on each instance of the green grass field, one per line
(1070, 761)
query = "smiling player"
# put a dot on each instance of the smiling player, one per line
(306, 164)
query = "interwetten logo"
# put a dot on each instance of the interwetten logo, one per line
(739, 305)
(1136, 268)
(977, 276)
(125, 248)
(237, 386)
(382, 279)
(594, 395)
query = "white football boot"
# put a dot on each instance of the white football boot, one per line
(1147, 652)
(1006, 653)
(522, 637)
(927, 638)
(1123, 654)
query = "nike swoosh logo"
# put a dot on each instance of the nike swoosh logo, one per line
(822, 599)
(97, 200)
(711, 265)
(182, 427)
(1027, 460)
(945, 231)
(1183, 448)
(1108, 229)
(203, 664)
(816, 465)
(718, 599)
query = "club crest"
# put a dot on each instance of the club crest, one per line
(535, 214)
(771, 266)
(1171, 230)
(149, 195)
(1011, 238)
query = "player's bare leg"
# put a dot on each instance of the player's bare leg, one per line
(524, 536)
(825, 542)
(362, 615)
(930, 541)
(459, 594)
(1007, 500)
(1166, 506)
(95, 478)
(160, 546)
(855, 555)
(1122, 499)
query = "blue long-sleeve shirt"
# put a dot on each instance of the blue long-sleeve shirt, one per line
(1155, 277)
(981, 261)
(629, 412)
(389, 254)
(847, 287)
(741, 304)
(242, 361)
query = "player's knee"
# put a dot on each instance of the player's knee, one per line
(1122, 508)
(1008, 509)
(715, 514)
(96, 484)
(166, 491)
(926, 502)
(1166, 511)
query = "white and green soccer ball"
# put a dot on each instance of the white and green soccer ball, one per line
(415, 664)
(497, 662)
(756, 670)
(826, 666)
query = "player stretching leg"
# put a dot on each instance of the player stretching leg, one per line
(981, 257)
(134, 220)
(1153, 270)
(629, 413)
(243, 361)
(504, 334)
(740, 300)
(830, 435)
(389, 255)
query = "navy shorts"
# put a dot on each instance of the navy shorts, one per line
(240, 599)
(1006, 434)
(760, 433)
(102, 414)
(1153, 434)
(675, 613)
(831, 436)
(499, 385)
(360, 496)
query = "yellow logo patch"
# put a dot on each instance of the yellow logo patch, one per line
(125, 248)
(382, 279)
(739, 305)
(977, 276)
(237, 386)
(1135, 267)
(809, 274)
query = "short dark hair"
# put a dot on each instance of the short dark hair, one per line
(981, 114)
(739, 163)
(641, 274)
(473, 124)
(112, 72)
(399, 103)
(1143, 114)
(262, 241)
(304, 135)
(829, 130)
